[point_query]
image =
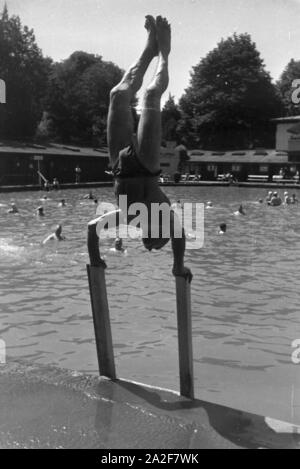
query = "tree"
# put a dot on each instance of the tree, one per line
(170, 118)
(25, 72)
(285, 87)
(230, 99)
(78, 97)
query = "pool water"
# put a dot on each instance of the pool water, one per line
(245, 297)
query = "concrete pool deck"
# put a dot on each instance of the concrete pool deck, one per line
(47, 407)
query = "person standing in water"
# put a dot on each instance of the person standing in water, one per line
(276, 200)
(40, 211)
(56, 236)
(223, 228)
(269, 197)
(13, 208)
(135, 158)
(287, 199)
(240, 211)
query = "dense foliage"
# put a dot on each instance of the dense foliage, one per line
(25, 72)
(230, 99)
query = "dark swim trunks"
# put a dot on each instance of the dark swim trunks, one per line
(128, 165)
(128, 172)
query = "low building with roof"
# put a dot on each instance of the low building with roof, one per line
(241, 164)
(21, 163)
(284, 160)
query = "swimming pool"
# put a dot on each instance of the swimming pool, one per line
(245, 297)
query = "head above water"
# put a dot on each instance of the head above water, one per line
(223, 227)
(40, 210)
(118, 244)
(58, 230)
(241, 209)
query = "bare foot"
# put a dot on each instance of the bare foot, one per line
(150, 25)
(163, 34)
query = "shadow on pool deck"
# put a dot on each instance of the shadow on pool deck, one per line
(47, 407)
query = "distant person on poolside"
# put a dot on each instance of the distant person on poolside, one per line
(13, 208)
(135, 155)
(40, 211)
(55, 184)
(276, 200)
(56, 236)
(223, 228)
(240, 211)
(77, 174)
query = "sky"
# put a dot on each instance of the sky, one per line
(114, 30)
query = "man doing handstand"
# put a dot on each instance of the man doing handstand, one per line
(135, 158)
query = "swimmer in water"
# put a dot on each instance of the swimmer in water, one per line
(209, 204)
(135, 153)
(287, 199)
(56, 236)
(44, 198)
(40, 211)
(276, 200)
(223, 228)
(119, 245)
(89, 196)
(13, 209)
(294, 199)
(177, 204)
(240, 211)
(62, 203)
(269, 197)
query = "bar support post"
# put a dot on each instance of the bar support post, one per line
(185, 347)
(100, 309)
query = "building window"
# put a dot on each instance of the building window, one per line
(210, 167)
(263, 168)
(165, 165)
(236, 168)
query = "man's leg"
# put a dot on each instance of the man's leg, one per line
(120, 121)
(149, 130)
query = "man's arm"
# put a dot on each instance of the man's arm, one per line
(178, 247)
(112, 219)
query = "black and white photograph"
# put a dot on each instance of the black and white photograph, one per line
(149, 227)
